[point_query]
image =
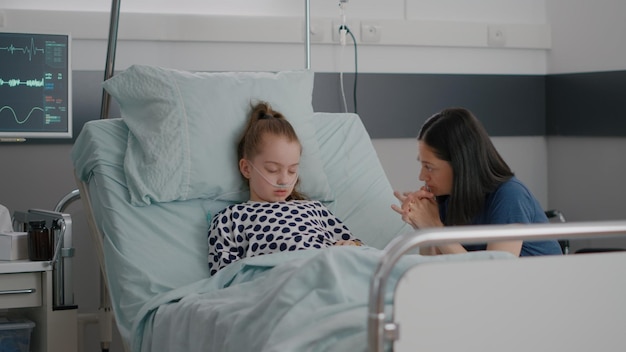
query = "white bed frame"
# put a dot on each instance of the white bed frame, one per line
(550, 303)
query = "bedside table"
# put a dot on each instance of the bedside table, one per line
(26, 291)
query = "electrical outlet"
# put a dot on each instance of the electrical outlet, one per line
(352, 25)
(371, 32)
(496, 35)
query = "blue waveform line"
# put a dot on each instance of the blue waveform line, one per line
(30, 51)
(15, 82)
(15, 115)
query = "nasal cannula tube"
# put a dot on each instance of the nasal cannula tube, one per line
(286, 185)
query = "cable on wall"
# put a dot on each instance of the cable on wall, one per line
(343, 31)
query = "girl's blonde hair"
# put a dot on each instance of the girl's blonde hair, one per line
(264, 120)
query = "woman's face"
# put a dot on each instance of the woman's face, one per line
(437, 174)
(276, 164)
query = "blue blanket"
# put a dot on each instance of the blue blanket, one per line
(314, 300)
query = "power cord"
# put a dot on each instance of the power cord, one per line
(342, 40)
(356, 71)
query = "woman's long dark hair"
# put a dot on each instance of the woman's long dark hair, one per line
(456, 136)
(263, 120)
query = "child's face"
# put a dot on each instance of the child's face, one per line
(276, 164)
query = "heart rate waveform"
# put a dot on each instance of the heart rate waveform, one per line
(35, 85)
(27, 50)
(16, 82)
(16, 118)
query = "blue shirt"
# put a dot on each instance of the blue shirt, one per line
(512, 203)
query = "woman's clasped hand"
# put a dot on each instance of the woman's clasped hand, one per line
(419, 208)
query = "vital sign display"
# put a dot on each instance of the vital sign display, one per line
(35, 86)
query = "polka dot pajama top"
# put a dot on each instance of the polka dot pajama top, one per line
(256, 228)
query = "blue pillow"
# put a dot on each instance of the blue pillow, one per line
(184, 128)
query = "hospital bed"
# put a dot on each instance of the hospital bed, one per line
(151, 181)
(154, 241)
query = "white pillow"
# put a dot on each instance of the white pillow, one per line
(363, 194)
(184, 129)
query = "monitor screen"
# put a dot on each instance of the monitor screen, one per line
(35, 86)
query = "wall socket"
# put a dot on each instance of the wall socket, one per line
(352, 25)
(371, 32)
(496, 35)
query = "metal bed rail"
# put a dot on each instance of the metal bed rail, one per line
(381, 329)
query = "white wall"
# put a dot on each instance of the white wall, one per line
(514, 11)
(587, 35)
(417, 36)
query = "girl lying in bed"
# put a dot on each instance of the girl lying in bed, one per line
(277, 217)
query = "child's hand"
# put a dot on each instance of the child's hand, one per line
(347, 243)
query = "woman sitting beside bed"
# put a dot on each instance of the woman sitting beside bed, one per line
(468, 183)
(277, 217)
